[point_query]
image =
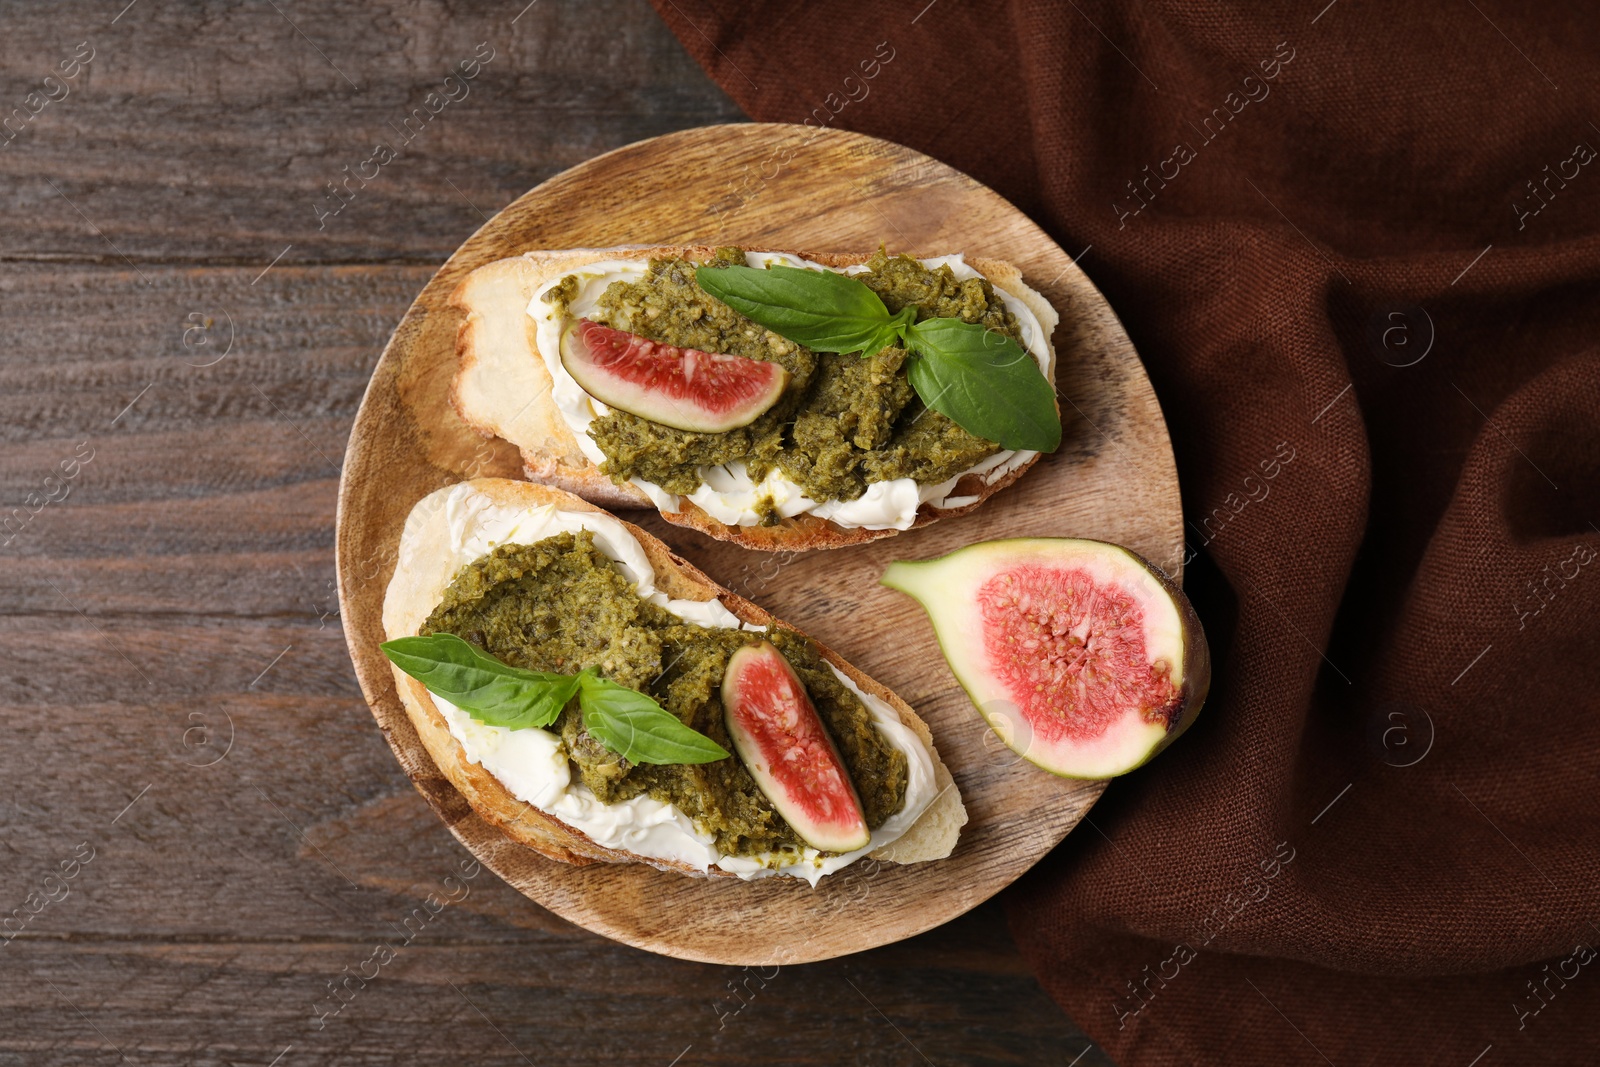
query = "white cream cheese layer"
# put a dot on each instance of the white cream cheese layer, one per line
(727, 493)
(532, 763)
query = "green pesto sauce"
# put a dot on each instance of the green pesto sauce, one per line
(562, 605)
(843, 423)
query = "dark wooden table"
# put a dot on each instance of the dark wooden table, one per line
(210, 854)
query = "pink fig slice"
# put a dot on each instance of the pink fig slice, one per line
(780, 737)
(685, 388)
(1082, 656)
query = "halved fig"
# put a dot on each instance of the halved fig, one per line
(780, 737)
(1082, 656)
(684, 388)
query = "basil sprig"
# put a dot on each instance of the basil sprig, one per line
(980, 379)
(625, 721)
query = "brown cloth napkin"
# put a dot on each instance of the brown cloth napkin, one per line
(1356, 246)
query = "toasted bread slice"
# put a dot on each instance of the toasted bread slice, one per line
(424, 570)
(503, 389)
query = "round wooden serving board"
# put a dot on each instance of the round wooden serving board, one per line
(782, 187)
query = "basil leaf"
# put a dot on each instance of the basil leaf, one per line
(494, 693)
(822, 310)
(981, 379)
(638, 729)
(627, 722)
(984, 382)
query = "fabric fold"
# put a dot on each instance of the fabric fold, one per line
(1358, 250)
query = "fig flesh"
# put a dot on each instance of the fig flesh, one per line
(685, 388)
(781, 739)
(1081, 655)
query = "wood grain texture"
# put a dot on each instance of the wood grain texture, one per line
(209, 132)
(222, 902)
(1112, 479)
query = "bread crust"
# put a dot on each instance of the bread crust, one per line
(407, 604)
(503, 389)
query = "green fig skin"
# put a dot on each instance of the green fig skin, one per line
(749, 716)
(946, 589)
(617, 386)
